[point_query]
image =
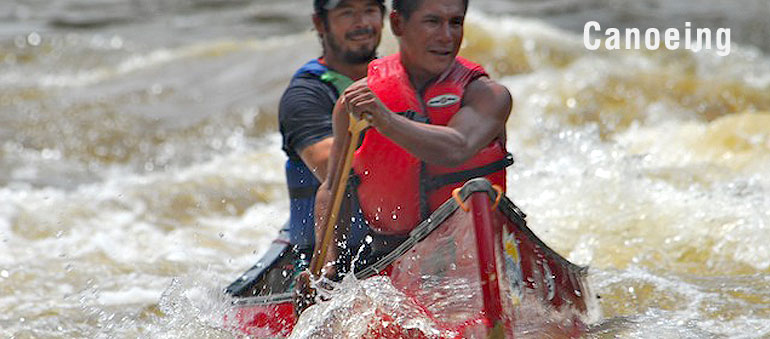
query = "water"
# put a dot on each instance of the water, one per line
(141, 171)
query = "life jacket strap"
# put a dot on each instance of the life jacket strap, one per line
(338, 80)
(354, 181)
(424, 177)
(303, 192)
(415, 116)
(432, 183)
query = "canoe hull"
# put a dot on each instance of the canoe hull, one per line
(474, 268)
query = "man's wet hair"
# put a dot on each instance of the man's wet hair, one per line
(407, 7)
(319, 8)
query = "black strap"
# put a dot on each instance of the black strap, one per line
(433, 183)
(303, 192)
(352, 189)
(424, 207)
(414, 116)
(354, 180)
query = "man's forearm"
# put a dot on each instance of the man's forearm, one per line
(437, 145)
(316, 157)
(322, 205)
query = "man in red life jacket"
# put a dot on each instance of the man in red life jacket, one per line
(437, 120)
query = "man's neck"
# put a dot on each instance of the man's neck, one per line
(352, 71)
(419, 78)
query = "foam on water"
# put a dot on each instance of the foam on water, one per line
(109, 249)
(129, 199)
(655, 161)
(134, 62)
(356, 308)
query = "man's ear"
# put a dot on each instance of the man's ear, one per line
(396, 23)
(319, 24)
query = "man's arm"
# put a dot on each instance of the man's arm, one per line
(324, 195)
(304, 294)
(482, 118)
(306, 123)
(316, 157)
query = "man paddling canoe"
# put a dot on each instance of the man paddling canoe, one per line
(349, 31)
(437, 121)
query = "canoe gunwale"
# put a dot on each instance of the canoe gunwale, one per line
(437, 218)
(424, 229)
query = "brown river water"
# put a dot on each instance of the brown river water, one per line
(141, 170)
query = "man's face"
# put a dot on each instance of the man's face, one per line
(353, 30)
(431, 37)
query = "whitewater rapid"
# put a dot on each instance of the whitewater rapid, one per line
(140, 175)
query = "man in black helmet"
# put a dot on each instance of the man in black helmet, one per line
(349, 31)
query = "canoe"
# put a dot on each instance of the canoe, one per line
(513, 285)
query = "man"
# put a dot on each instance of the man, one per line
(349, 31)
(437, 121)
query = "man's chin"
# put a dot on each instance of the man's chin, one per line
(439, 65)
(360, 57)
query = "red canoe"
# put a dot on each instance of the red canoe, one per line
(513, 285)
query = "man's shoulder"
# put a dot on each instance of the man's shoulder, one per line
(313, 67)
(306, 83)
(469, 65)
(486, 89)
(308, 88)
(307, 77)
(306, 96)
(483, 82)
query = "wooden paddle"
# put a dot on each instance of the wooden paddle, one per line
(339, 183)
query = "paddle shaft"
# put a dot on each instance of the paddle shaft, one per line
(339, 183)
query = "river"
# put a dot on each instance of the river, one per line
(141, 170)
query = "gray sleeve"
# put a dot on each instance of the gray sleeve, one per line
(305, 114)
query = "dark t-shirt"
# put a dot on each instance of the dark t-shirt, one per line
(305, 113)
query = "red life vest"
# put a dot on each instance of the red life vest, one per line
(392, 184)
